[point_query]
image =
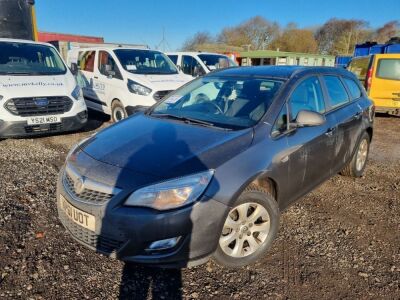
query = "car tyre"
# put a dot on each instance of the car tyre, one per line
(356, 167)
(242, 250)
(118, 111)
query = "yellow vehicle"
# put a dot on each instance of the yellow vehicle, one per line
(380, 75)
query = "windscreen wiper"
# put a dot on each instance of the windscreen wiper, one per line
(188, 120)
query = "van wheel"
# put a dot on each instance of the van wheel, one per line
(249, 229)
(356, 167)
(118, 111)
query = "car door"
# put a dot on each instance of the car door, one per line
(85, 78)
(108, 79)
(348, 115)
(191, 66)
(310, 148)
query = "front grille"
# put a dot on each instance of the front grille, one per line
(87, 195)
(99, 242)
(160, 94)
(31, 106)
(43, 128)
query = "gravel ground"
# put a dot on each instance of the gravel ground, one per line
(340, 241)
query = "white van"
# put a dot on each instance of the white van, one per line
(120, 80)
(38, 93)
(200, 63)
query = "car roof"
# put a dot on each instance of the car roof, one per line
(282, 72)
(24, 42)
(112, 48)
(193, 53)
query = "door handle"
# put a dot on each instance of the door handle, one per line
(357, 116)
(330, 131)
(95, 77)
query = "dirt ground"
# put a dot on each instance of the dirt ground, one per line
(342, 241)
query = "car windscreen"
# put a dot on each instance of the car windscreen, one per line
(145, 62)
(226, 102)
(213, 61)
(29, 59)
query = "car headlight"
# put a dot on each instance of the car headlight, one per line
(77, 93)
(173, 193)
(137, 88)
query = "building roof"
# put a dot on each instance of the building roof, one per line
(274, 54)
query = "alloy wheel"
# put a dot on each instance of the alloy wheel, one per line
(362, 154)
(245, 230)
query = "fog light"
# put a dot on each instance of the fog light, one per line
(163, 244)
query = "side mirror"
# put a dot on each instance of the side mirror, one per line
(307, 118)
(74, 69)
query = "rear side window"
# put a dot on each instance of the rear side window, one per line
(354, 89)
(336, 90)
(86, 60)
(174, 58)
(359, 67)
(307, 96)
(388, 68)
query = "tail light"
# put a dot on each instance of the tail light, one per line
(369, 79)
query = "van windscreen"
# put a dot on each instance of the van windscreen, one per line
(145, 62)
(29, 59)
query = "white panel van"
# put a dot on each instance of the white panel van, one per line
(120, 80)
(38, 93)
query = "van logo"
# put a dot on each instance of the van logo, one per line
(79, 185)
(41, 102)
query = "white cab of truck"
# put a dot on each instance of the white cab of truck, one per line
(38, 93)
(119, 81)
(200, 63)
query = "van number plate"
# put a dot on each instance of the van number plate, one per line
(44, 120)
(77, 216)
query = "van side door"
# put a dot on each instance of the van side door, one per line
(85, 77)
(191, 66)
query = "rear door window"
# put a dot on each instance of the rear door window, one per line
(388, 68)
(359, 66)
(353, 87)
(336, 91)
(307, 96)
(86, 60)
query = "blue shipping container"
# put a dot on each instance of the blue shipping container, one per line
(395, 48)
(377, 49)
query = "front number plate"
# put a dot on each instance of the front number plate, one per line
(76, 215)
(44, 120)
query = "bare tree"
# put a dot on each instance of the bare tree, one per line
(296, 40)
(200, 38)
(387, 31)
(257, 32)
(339, 36)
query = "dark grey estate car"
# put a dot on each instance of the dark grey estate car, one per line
(207, 171)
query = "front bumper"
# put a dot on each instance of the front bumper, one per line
(126, 232)
(22, 129)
